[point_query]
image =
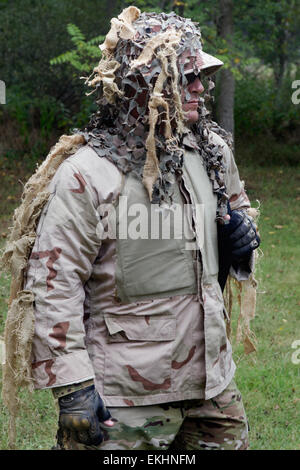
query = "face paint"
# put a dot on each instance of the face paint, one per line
(190, 106)
(191, 89)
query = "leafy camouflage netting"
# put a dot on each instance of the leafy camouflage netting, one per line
(140, 127)
(140, 122)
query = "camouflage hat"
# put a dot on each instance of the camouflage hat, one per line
(142, 43)
(210, 64)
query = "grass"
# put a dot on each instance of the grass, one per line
(268, 379)
(269, 382)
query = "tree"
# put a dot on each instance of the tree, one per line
(272, 27)
(226, 81)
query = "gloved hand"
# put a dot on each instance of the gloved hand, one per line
(239, 235)
(80, 413)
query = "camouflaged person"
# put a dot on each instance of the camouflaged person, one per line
(130, 330)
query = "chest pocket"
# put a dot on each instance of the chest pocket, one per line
(152, 259)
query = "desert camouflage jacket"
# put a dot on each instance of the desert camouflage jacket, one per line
(142, 315)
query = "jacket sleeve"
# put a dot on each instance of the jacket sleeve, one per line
(238, 199)
(59, 266)
(235, 187)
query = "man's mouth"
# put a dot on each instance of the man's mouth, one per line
(193, 103)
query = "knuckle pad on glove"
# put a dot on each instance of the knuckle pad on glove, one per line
(74, 422)
(242, 252)
(227, 230)
(237, 217)
(245, 240)
(67, 421)
(240, 232)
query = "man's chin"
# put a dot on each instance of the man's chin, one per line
(191, 117)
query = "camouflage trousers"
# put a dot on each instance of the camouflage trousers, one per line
(216, 424)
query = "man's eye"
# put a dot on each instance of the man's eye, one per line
(191, 77)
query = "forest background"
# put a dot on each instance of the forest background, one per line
(46, 46)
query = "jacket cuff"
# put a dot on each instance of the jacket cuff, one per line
(62, 370)
(67, 389)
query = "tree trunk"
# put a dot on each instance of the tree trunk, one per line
(225, 78)
(280, 64)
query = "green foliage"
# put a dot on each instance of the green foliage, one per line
(44, 101)
(33, 32)
(44, 113)
(260, 108)
(45, 47)
(50, 116)
(150, 5)
(85, 53)
(265, 150)
(272, 27)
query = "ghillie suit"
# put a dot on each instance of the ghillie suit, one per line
(140, 127)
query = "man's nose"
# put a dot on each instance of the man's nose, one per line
(196, 86)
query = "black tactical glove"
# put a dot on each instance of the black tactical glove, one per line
(80, 413)
(236, 241)
(239, 235)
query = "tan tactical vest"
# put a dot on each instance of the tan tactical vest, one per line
(167, 265)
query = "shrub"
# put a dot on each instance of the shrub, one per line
(260, 109)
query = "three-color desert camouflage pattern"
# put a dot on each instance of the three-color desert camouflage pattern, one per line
(216, 424)
(168, 341)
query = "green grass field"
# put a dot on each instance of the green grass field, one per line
(268, 379)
